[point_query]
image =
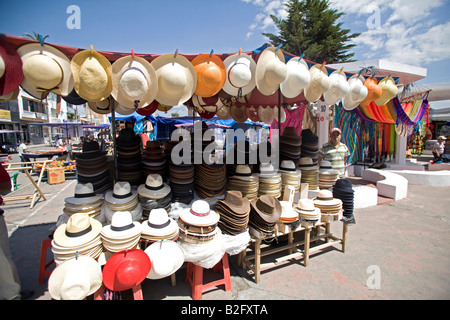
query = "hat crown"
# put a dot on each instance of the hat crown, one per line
(325, 164)
(172, 78)
(324, 195)
(239, 73)
(76, 283)
(122, 188)
(200, 208)
(78, 222)
(343, 184)
(121, 219)
(209, 74)
(133, 83)
(266, 168)
(243, 169)
(234, 198)
(125, 273)
(154, 180)
(90, 146)
(287, 164)
(305, 161)
(306, 204)
(42, 71)
(93, 77)
(266, 204)
(275, 71)
(84, 188)
(158, 216)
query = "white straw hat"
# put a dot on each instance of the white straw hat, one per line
(338, 89)
(159, 224)
(166, 256)
(199, 214)
(240, 78)
(270, 71)
(357, 93)
(122, 193)
(297, 78)
(319, 83)
(154, 187)
(84, 194)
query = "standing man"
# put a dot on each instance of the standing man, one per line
(335, 152)
(23, 149)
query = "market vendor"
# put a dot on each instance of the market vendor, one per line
(23, 149)
(335, 151)
(438, 148)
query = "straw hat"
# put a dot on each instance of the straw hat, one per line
(252, 113)
(177, 79)
(358, 92)
(75, 279)
(133, 79)
(154, 187)
(79, 230)
(270, 71)
(211, 74)
(238, 114)
(287, 166)
(121, 193)
(265, 114)
(122, 227)
(45, 69)
(223, 112)
(166, 256)
(159, 224)
(267, 207)
(338, 89)
(374, 91)
(297, 78)
(288, 214)
(240, 78)
(92, 75)
(389, 91)
(11, 74)
(84, 193)
(319, 84)
(199, 214)
(282, 113)
(307, 210)
(325, 198)
(104, 106)
(266, 169)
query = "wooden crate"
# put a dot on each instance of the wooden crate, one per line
(55, 175)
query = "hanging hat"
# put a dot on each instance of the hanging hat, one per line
(92, 75)
(74, 98)
(265, 114)
(11, 74)
(10, 96)
(358, 92)
(75, 279)
(211, 74)
(297, 78)
(45, 69)
(240, 78)
(252, 113)
(267, 207)
(319, 84)
(104, 106)
(282, 113)
(79, 230)
(159, 225)
(389, 91)
(238, 114)
(339, 88)
(126, 269)
(177, 79)
(84, 193)
(133, 79)
(154, 187)
(270, 71)
(199, 214)
(374, 91)
(204, 110)
(223, 112)
(166, 256)
(121, 193)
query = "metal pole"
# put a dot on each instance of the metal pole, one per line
(113, 125)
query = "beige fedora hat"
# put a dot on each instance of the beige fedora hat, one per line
(339, 88)
(265, 114)
(166, 256)
(134, 80)
(319, 84)
(92, 75)
(45, 69)
(270, 71)
(121, 193)
(357, 93)
(240, 78)
(122, 227)
(177, 79)
(79, 230)
(84, 193)
(389, 92)
(297, 78)
(154, 187)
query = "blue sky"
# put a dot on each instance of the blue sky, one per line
(413, 32)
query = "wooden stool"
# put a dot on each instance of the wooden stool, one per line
(194, 275)
(137, 293)
(43, 264)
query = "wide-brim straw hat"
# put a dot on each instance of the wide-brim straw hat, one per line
(177, 79)
(240, 78)
(134, 80)
(166, 256)
(265, 114)
(270, 71)
(339, 88)
(75, 279)
(374, 91)
(389, 91)
(154, 187)
(297, 78)
(288, 214)
(92, 75)
(238, 114)
(267, 207)
(84, 193)
(319, 84)
(11, 74)
(211, 74)
(325, 198)
(122, 227)
(199, 214)
(121, 194)
(79, 230)
(45, 68)
(357, 93)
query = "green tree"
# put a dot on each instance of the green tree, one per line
(312, 28)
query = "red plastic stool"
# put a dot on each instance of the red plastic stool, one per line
(43, 264)
(137, 293)
(194, 276)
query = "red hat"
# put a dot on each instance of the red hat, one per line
(335, 129)
(148, 110)
(126, 269)
(12, 74)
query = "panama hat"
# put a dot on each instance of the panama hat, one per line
(177, 79)
(78, 230)
(357, 93)
(265, 114)
(270, 71)
(104, 106)
(199, 214)
(92, 75)
(338, 89)
(288, 214)
(307, 210)
(319, 84)
(11, 74)
(374, 91)
(166, 256)
(238, 114)
(84, 193)
(159, 224)
(267, 207)
(211, 74)
(389, 91)
(297, 78)
(75, 279)
(325, 198)
(252, 113)
(45, 69)
(122, 193)
(154, 187)
(122, 227)
(282, 113)
(133, 80)
(223, 112)
(126, 269)
(240, 80)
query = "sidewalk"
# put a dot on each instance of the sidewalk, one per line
(406, 243)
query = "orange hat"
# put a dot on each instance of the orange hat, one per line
(211, 74)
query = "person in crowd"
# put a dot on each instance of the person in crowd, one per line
(438, 148)
(446, 154)
(335, 151)
(23, 149)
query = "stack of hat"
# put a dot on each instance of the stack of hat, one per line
(84, 200)
(198, 224)
(181, 177)
(264, 214)
(159, 226)
(327, 175)
(290, 144)
(154, 193)
(269, 181)
(123, 233)
(244, 181)
(80, 234)
(310, 173)
(234, 211)
(310, 145)
(288, 214)
(290, 175)
(307, 211)
(328, 205)
(122, 198)
(93, 166)
(129, 156)
(154, 159)
(210, 179)
(343, 190)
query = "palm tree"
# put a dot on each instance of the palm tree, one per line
(35, 36)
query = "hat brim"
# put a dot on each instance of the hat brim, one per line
(270, 218)
(62, 239)
(264, 59)
(13, 74)
(166, 257)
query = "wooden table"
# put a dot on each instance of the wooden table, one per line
(292, 248)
